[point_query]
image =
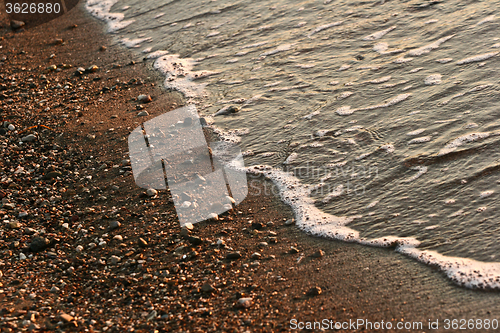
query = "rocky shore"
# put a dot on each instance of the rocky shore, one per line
(82, 248)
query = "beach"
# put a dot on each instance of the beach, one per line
(84, 249)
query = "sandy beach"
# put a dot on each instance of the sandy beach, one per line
(82, 248)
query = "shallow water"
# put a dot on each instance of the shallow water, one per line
(381, 113)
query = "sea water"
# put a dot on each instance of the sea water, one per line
(379, 120)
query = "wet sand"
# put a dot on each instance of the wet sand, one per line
(175, 281)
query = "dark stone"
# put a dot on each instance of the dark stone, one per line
(15, 24)
(257, 225)
(39, 244)
(53, 174)
(233, 255)
(207, 288)
(314, 291)
(232, 109)
(114, 225)
(195, 240)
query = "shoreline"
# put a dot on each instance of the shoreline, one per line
(164, 285)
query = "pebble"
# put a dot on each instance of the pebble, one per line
(213, 216)
(263, 244)
(66, 317)
(23, 214)
(14, 224)
(55, 289)
(318, 254)
(28, 138)
(314, 291)
(294, 250)
(15, 24)
(233, 255)
(151, 192)
(79, 248)
(142, 242)
(207, 288)
(114, 225)
(186, 204)
(153, 314)
(244, 302)
(227, 110)
(256, 255)
(11, 127)
(39, 244)
(22, 256)
(144, 98)
(113, 260)
(257, 225)
(289, 222)
(195, 240)
(80, 71)
(143, 113)
(52, 175)
(92, 69)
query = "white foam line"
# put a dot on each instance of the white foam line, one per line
(453, 145)
(487, 19)
(131, 43)
(477, 58)
(179, 75)
(324, 27)
(281, 48)
(429, 47)
(379, 34)
(102, 10)
(420, 171)
(465, 272)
